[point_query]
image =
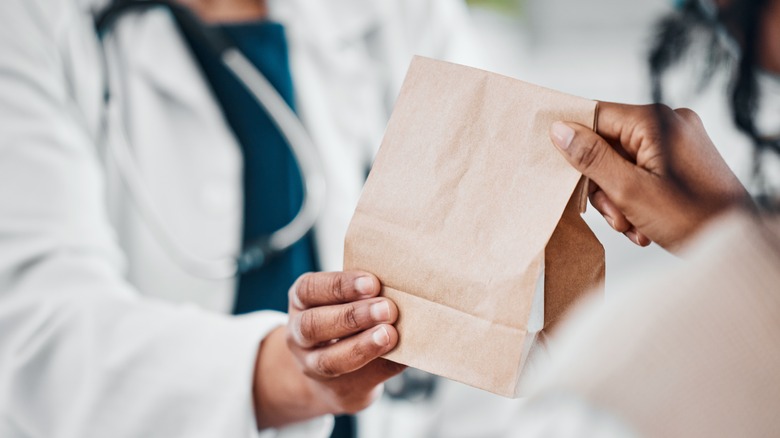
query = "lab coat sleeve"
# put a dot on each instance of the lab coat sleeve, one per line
(82, 354)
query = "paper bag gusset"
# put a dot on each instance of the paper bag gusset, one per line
(470, 218)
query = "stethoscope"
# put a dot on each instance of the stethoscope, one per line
(306, 156)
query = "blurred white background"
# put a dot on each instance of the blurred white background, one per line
(595, 49)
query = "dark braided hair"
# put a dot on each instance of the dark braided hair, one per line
(741, 19)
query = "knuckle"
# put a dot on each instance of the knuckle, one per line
(658, 113)
(310, 286)
(648, 133)
(658, 109)
(648, 112)
(688, 115)
(309, 368)
(337, 288)
(323, 366)
(360, 353)
(591, 153)
(309, 326)
(349, 318)
(646, 128)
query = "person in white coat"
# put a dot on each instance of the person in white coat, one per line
(101, 332)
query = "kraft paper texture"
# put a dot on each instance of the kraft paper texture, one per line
(468, 214)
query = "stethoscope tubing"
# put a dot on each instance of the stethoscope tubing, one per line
(303, 149)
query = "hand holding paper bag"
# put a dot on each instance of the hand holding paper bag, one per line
(470, 219)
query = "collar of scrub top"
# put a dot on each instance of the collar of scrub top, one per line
(306, 155)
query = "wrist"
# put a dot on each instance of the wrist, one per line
(282, 393)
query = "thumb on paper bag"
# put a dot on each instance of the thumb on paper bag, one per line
(590, 154)
(615, 176)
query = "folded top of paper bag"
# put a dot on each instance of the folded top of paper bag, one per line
(462, 201)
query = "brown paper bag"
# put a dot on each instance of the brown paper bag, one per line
(471, 220)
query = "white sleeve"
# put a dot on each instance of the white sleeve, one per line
(81, 353)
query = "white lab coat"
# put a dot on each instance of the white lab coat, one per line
(101, 334)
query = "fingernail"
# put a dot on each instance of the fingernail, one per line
(610, 221)
(364, 285)
(380, 311)
(562, 134)
(381, 337)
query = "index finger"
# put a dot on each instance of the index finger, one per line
(328, 288)
(629, 125)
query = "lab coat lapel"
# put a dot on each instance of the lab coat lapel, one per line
(185, 150)
(163, 58)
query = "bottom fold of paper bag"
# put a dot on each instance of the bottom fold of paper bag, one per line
(457, 345)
